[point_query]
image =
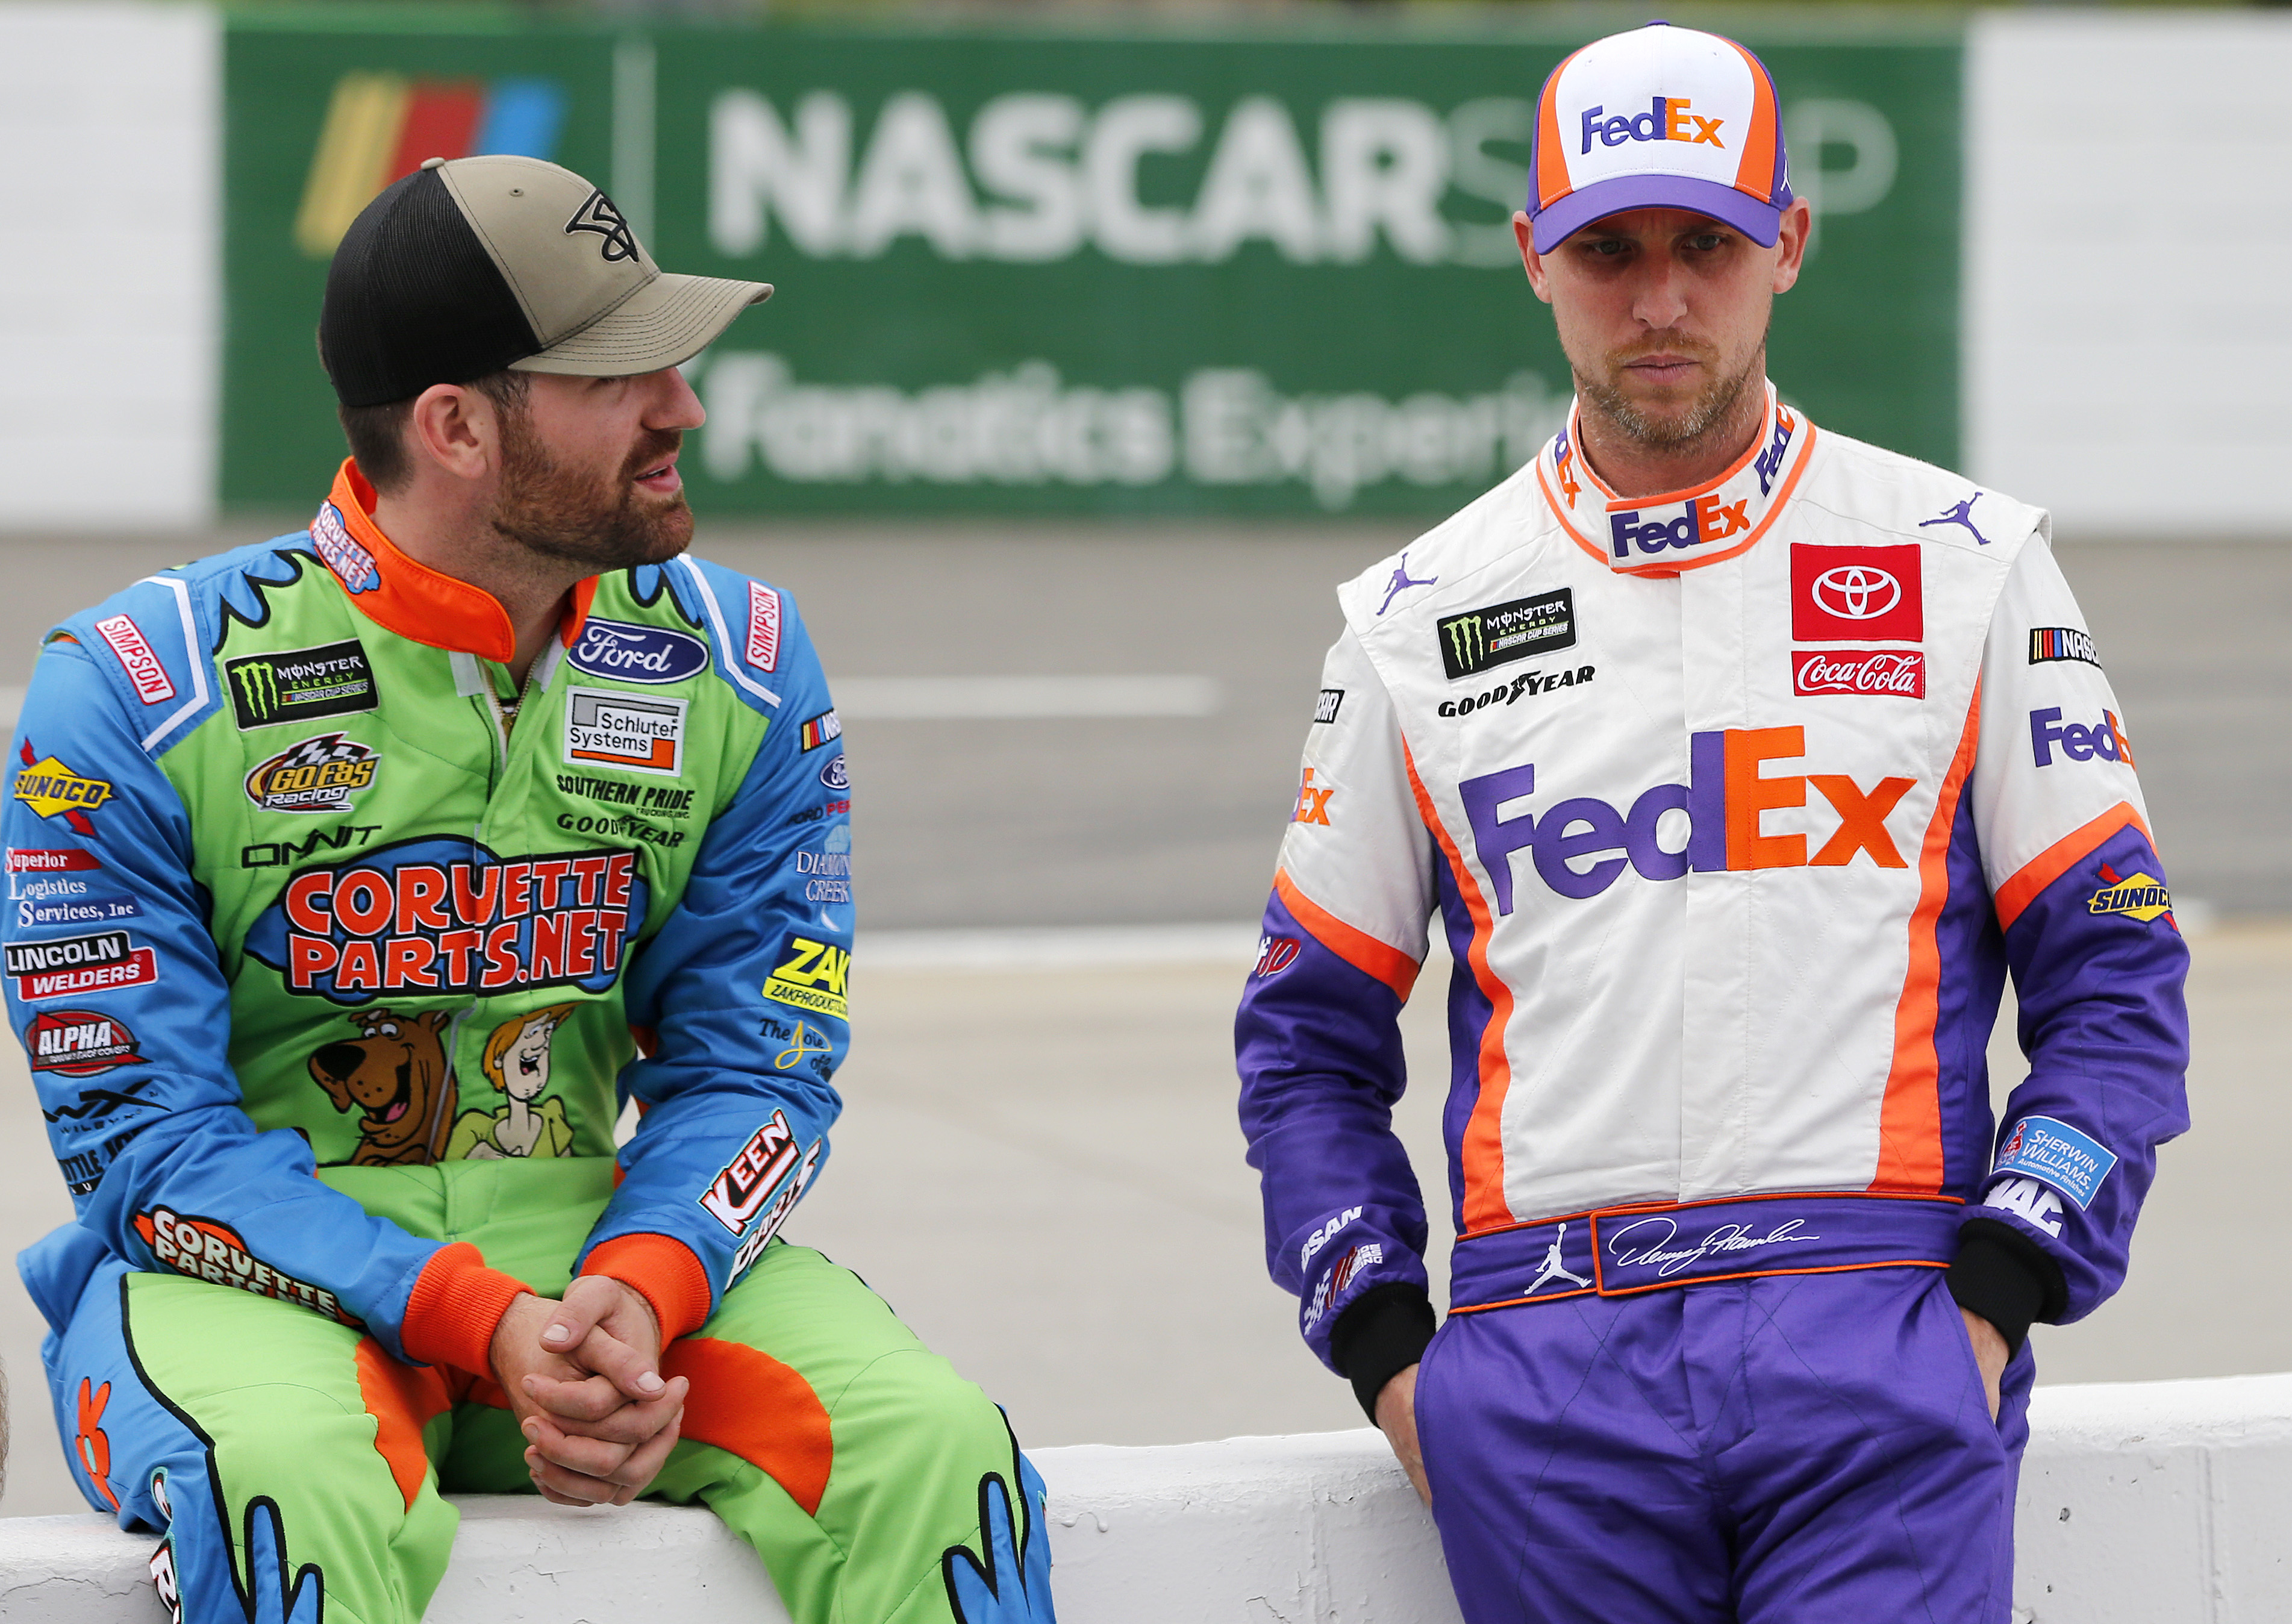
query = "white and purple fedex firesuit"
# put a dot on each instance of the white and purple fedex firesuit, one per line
(1737, 806)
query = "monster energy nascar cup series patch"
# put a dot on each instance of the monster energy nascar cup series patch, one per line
(299, 684)
(1522, 629)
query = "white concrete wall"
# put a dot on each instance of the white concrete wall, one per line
(2128, 332)
(108, 310)
(2141, 1503)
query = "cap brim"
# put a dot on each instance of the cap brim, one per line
(1760, 221)
(665, 323)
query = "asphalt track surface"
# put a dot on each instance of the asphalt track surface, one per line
(1164, 819)
(1039, 1167)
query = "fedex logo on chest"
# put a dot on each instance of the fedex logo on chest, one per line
(1580, 845)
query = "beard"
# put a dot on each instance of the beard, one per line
(595, 523)
(1708, 413)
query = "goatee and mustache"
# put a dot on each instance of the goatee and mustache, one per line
(1708, 413)
(598, 524)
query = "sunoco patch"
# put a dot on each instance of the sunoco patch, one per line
(2052, 1153)
(301, 685)
(1522, 629)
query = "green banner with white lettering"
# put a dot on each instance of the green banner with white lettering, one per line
(1078, 272)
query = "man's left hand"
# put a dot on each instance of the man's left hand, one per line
(599, 1433)
(1988, 1353)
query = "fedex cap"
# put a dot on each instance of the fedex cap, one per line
(466, 267)
(1660, 118)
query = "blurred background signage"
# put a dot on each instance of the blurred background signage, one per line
(1069, 271)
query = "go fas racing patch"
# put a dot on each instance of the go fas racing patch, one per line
(318, 774)
(812, 975)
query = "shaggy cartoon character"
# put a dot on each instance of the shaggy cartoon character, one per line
(516, 1062)
(395, 1070)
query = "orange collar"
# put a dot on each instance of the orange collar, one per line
(411, 599)
(1681, 530)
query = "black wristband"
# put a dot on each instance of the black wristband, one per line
(2006, 1278)
(1380, 1333)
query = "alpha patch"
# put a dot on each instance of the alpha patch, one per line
(2052, 1153)
(301, 685)
(636, 732)
(79, 1043)
(1501, 633)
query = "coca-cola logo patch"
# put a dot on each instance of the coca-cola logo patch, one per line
(1898, 672)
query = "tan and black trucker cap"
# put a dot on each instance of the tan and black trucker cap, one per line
(468, 266)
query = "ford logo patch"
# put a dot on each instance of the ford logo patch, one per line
(638, 653)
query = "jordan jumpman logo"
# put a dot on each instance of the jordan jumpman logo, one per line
(1553, 1268)
(1401, 582)
(1962, 513)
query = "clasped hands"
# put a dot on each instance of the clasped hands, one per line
(583, 1377)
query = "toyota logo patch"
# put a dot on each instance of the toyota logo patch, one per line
(1856, 592)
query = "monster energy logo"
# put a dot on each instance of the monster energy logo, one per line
(1480, 638)
(334, 680)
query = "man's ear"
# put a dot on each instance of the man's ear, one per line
(456, 430)
(1530, 258)
(1791, 236)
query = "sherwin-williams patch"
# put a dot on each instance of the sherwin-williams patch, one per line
(638, 732)
(301, 685)
(2052, 1153)
(1521, 629)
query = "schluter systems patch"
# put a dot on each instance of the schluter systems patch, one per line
(638, 732)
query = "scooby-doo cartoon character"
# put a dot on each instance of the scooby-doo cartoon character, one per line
(395, 1070)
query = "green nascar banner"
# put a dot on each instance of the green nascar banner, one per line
(1068, 272)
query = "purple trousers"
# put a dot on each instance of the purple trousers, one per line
(1809, 1449)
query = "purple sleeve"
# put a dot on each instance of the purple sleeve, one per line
(1319, 1046)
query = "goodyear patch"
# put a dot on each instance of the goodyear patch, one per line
(812, 975)
(2054, 1153)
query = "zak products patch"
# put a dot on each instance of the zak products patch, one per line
(636, 732)
(822, 729)
(1325, 709)
(79, 1043)
(1841, 592)
(301, 685)
(93, 963)
(125, 639)
(207, 1249)
(812, 975)
(764, 626)
(2052, 1151)
(1522, 629)
(2137, 896)
(1898, 672)
(54, 790)
(442, 915)
(2048, 643)
(318, 774)
(630, 653)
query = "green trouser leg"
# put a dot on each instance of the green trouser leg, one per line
(819, 1428)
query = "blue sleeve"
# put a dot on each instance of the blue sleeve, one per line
(114, 987)
(740, 999)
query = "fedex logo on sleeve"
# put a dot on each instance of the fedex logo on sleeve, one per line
(2103, 739)
(1668, 118)
(1714, 822)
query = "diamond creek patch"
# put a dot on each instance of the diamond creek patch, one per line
(1521, 629)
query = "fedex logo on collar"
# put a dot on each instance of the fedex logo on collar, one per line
(1711, 823)
(1668, 118)
(1694, 522)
